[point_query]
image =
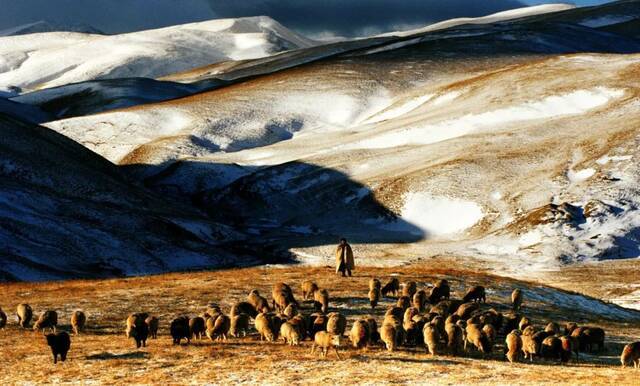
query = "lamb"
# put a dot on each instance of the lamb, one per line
(239, 325)
(516, 300)
(137, 329)
(259, 303)
(374, 297)
(551, 348)
(321, 300)
(3, 319)
(309, 288)
(409, 289)
(431, 338)
(631, 355)
(263, 325)
(552, 328)
(388, 336)
(419, 300)
(477, 338)
(455, 338)
(219, 329)
(153, 323)
(243, 308)
(336, 324)
(48, 319)
(359, 334)
(197, 327)
(392, 287)
(475, 294)
(530, 347)
(78, 321)
(514, 346)
(25, 313)
(60, 344)
(179, 329)
(290, 334)
(324, 341)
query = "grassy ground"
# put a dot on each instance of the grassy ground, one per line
(103, 354)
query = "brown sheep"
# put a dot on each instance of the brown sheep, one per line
(259, 303)
(290, 311)
(48, 319)
(529, 330)
(403, 302)
(153, 324)
(431, 339)
(264, 326)
(438, 323)
(455, 338)
(514, 346)
(466, 309)
(78, 321)
(60, 344)
(300, 323)
(309, 288)
(447, 307)
(569, 327)
(388, 336)
(552, 328)
(220, 329)
(321, 300)
(412, 332)
(179, 329)
(594, 336)
(493, 318)
(197, 327)
(25, 313)
(477, 339)
(392, 287)
(524, 323)
(359, 334)
(276, 322)
(324, 341)
(530, 347)
(336, 324)
(409, 313)
(409, 289)
(397, 312)
(569, 345)
(475, 294)
(374, 335)
(511, 322)
(490, 332)
(137, 329)
(290, 334)
(551, 348)
(419, 300)
(439, 291)
(374, 297)
(319, 323)
(243, 308)
(452, 319)
(375, 283)
(516, 299)
(631, 355)
(282, 296)
(239, 325)
(3, 319)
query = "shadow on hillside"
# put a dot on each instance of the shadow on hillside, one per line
(294, 204)
(108, 356)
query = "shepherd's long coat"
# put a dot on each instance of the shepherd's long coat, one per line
(349, 257)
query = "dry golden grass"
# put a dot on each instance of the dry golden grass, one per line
(103, 355)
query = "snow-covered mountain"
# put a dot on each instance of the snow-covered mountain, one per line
(45, 26)
(37, 61)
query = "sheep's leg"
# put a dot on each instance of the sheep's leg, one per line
(338, 355)
(313, 348)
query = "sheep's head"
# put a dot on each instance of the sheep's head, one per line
(338, 340)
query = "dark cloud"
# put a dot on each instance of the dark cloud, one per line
(358, 17)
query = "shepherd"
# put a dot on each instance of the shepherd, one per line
(344, 258)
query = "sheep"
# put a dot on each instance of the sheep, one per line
(569, 345)
(197, 327)
(25, 313)
(403, 302)
(300, 323)
(594, 336)
(309, 288)
(490, 332)
(447, 306)
(374, 297)
(374, 335)
(466, 309)
(409, 289)
(321, 300)
(153, 323)
(455, 338)
(397, 312)
(374, 283)
(431, 338)
(514, 346)
(477, 338)
(438, 323)
(419, 300)
(413, 332)
(631, 355)
(290, 311)
(179, 329)
(239, 325)
(392, 287)
(475, 294)
(282, 296)
(409, 313)
(319, 323)
(524, 323)
(516, 299)
(569, 327)
(137, 329)
(264, 326)
(336, 324)
(388, 336)
(493, 318)
(359, 334)
(511, 322)
(551, 348)
(290, 334)
(259, 303)
(211, 312)
(60, 344)
(78, 321)
(552, 328)
(219, 329)
(243, 308)
(325, 340)
(3, 319)
(439, 291)
(530, 347)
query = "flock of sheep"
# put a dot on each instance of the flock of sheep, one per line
(431, 319)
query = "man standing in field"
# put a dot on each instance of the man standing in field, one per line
(344, 258)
